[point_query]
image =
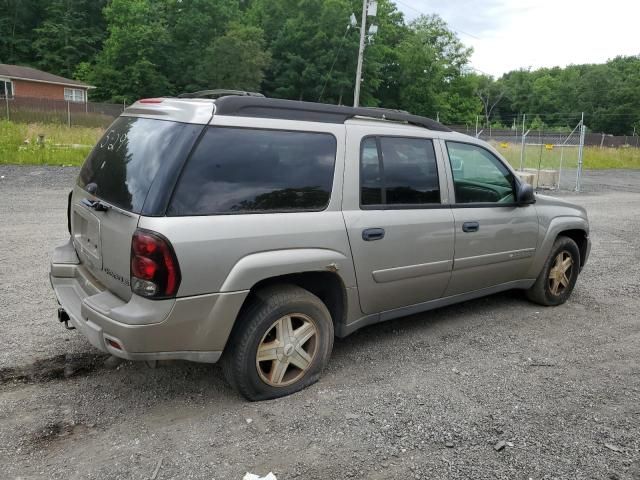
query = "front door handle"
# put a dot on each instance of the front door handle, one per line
(470, 227)
(371, 234)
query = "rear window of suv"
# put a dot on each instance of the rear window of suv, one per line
(131, 154)
(243, 170)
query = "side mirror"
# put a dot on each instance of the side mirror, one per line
(524, 194)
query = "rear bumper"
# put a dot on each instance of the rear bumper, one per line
(187, 328)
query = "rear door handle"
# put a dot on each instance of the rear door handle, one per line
(470, 227)
(371, 234)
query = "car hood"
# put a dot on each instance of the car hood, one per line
(565, 207)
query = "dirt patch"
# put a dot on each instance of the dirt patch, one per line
(60, 366)
(55, 431)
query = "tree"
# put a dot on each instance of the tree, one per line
(135, 52)
(304, 39)
(193, 26)
(490, 94)
(71, 33)
(236, 60)
(431, 77)
(18, 20)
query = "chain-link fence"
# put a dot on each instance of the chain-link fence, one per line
(43, 110)
(549, 159)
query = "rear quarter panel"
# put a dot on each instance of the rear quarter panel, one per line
(223, 253)
(233, 252)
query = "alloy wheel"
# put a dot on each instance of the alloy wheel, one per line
(560, 273)
(287, 350)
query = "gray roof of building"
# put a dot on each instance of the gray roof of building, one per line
(33, 74)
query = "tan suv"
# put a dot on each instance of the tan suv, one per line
(253, 230)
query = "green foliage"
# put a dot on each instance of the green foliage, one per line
(18, 21)
(236, 60)
(71, 32)
(595, 158)
(304, 37)
(303, 49)
(608, 94)
(192, 26)
(62, 145)
(130, 63)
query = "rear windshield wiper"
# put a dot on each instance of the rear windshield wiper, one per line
(97, 205)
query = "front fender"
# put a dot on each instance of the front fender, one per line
(260, 266)
(556, 226)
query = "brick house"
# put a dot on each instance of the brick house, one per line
(18, 82)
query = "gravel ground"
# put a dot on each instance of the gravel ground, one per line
(428, 396)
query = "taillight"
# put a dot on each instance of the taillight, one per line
(155, 272)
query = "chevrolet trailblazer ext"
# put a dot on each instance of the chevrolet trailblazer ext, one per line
(252, 230)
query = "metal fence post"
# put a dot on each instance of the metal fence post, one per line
(522, 147)
(580, 154)
(6, 98)
(69, 114)
(561, 159)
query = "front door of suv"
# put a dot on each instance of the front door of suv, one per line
(495, 239)
(400, 227)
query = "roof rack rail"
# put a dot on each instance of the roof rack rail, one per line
(262, 107)
(219, 93)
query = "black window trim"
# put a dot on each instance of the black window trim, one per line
(256, 212)
(455, 204)
(396, 206)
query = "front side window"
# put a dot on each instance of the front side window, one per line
(6, 89)
(398, 171)
(479, 176)
(74, 94)
(243, 170)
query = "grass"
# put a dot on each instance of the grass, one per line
(595, 158)
(70, 145)
(62, 145)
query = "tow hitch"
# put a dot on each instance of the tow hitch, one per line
(63, 316)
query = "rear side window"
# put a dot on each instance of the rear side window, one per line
(242, 170)
(398, 171)
(133, 151)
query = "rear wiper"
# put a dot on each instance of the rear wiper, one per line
(97, 205)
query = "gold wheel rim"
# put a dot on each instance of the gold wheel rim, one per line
(560, 273)
(287, 350)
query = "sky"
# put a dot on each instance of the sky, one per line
(511, 34)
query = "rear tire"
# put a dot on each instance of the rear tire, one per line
(559, 274)
(280, 344)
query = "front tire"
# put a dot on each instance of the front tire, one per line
(558, 276)
(280, 344)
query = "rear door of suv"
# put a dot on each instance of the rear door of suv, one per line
(397, 215)
(126, 175)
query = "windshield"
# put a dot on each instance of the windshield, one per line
(127, 159)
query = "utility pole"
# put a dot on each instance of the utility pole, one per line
(369, 8)
(363, 25)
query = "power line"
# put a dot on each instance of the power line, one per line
(334, 62)
(424, 13)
